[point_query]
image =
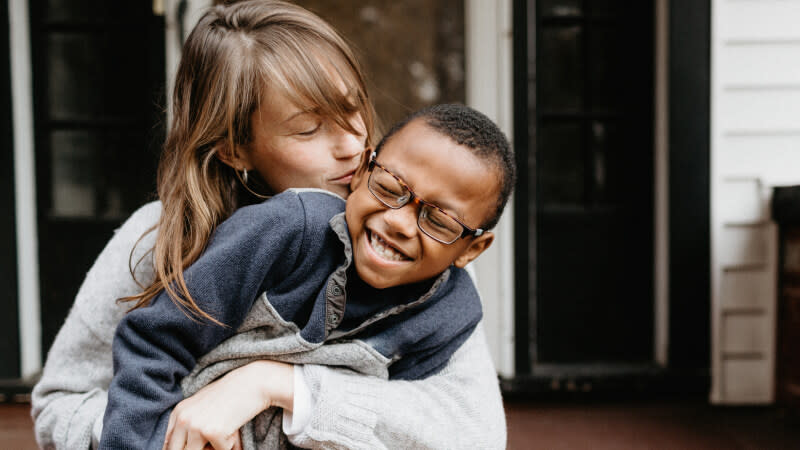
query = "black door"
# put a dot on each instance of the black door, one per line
(98, 93)
(9, 326)
(588, 209)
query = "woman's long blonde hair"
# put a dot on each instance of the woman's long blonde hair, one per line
(232, 56)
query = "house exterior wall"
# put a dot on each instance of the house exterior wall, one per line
(755, 145)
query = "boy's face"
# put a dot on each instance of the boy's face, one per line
(389, 249)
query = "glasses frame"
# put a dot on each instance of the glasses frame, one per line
(415, 199)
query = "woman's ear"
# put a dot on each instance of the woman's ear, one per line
(362, 168)
(236, 158)
(476, 247)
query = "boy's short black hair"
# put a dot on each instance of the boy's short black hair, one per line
(473, 130)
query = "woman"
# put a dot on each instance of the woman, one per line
(267, 97)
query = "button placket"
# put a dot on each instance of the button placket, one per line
(335, 294)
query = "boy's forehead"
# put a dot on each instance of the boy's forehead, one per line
(440, 170)
(419, 145)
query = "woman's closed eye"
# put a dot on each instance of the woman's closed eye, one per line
(310, 130)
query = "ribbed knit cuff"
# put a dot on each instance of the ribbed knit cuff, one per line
(78, 431)
(346, 409)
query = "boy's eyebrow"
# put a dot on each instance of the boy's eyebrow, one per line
(444, 205)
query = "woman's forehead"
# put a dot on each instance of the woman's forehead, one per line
(315, 94)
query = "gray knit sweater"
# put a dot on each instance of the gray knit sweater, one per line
(460, 407)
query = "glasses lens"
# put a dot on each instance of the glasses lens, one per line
(439, 225)
(386, 188)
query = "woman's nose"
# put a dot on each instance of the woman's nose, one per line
(347, 145)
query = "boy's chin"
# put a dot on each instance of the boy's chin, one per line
(375, 280)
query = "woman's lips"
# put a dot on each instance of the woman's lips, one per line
(344, 179)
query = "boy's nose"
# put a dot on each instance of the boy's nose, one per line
(402, 221)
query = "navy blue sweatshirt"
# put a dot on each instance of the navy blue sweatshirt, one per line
(292, 256)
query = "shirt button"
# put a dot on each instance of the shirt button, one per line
(337, 290)
(333, 318)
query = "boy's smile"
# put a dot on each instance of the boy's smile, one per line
(389, 249)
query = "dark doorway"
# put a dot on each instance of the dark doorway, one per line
(98, 108)
(589, 205)
(9, 323)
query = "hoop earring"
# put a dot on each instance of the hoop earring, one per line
(243, 179)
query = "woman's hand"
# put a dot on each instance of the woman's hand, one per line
(215, 413)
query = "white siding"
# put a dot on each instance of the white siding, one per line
(755, 145)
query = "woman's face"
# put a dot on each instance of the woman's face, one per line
(296, 148)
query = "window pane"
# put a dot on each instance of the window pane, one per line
(608, 163)
(103, 174)
(560, 69)
(561, 168)
(94, 75)
(126, 91)
(75, 73)
(606, 69)
(561, 8)
(94, 10)
(74, 173)
(606, 7)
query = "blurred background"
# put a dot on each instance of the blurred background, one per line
(640, 258)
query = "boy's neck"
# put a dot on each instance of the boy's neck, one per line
(356, 287)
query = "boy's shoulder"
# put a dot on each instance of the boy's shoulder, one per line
(461, 285)
(296, 202)
(311, 197)
(317, 206)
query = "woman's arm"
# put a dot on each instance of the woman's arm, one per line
(69, 400)
(460, 407)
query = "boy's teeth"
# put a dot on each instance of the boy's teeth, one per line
(382, 248)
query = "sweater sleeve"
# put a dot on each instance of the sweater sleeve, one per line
(157, 346)
(70, 397)
(459, 407)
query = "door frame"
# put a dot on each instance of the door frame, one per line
(25, 184)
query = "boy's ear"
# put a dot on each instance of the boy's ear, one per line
(476, 247)
(361, 171)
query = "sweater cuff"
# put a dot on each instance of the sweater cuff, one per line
(346, 409)
(97, 431)
(79, 430)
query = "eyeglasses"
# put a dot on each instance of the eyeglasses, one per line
(432, 220)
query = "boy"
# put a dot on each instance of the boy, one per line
(420, 203)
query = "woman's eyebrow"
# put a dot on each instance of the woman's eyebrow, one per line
(299, 113)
